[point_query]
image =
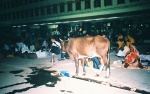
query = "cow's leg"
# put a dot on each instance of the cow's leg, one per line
(108, 72)
(107, 69)
(107, 61)
(104, 62)
(77, 65)
(101, 67)
(83, 61)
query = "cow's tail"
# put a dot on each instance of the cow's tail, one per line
(108, 64)
(108, 55)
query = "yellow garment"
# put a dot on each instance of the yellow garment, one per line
(120, 37)
(120, 44)
(90, 64)
(120, 41)
(130, 40)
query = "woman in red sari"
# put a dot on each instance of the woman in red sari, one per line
(132, 58)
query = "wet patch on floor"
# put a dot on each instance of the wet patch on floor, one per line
(36, 78)
(16, 71)
(40, 77)
(19, 75)
(13, 85)
(1, 71)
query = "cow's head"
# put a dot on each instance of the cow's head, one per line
(64, 44)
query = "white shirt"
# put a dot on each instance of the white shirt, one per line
(24, 48)
(20, 44)
(56, 43)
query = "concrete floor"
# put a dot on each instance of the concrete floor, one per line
(32, 76)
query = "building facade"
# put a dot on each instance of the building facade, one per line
(46, 14)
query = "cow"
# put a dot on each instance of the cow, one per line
(89, 46)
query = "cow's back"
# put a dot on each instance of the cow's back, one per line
(87, 46)
(102, 45)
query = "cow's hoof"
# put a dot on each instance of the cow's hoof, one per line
(83, 74)
(106, 77)
(75, 75)
(97, 75)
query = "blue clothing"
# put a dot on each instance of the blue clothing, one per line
(96, 63)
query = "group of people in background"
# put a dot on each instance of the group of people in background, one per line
(124, 40)
(31, 43)
(127, 50)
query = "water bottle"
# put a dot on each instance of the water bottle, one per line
(64, 73)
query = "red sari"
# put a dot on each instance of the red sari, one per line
(132, 58)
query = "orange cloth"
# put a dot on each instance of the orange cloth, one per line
(120, 44)
(132, 58)
(120, 41)
(130, 40)
(131, 55)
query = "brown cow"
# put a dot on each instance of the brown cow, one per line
(88, 46)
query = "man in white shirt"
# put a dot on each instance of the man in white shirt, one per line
(55, 44)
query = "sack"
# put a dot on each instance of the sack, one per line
(120, 53)
(55, 50)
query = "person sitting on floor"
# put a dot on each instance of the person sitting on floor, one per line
(129, 40)
(132, 58)
(120, 41)
(8, 49)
